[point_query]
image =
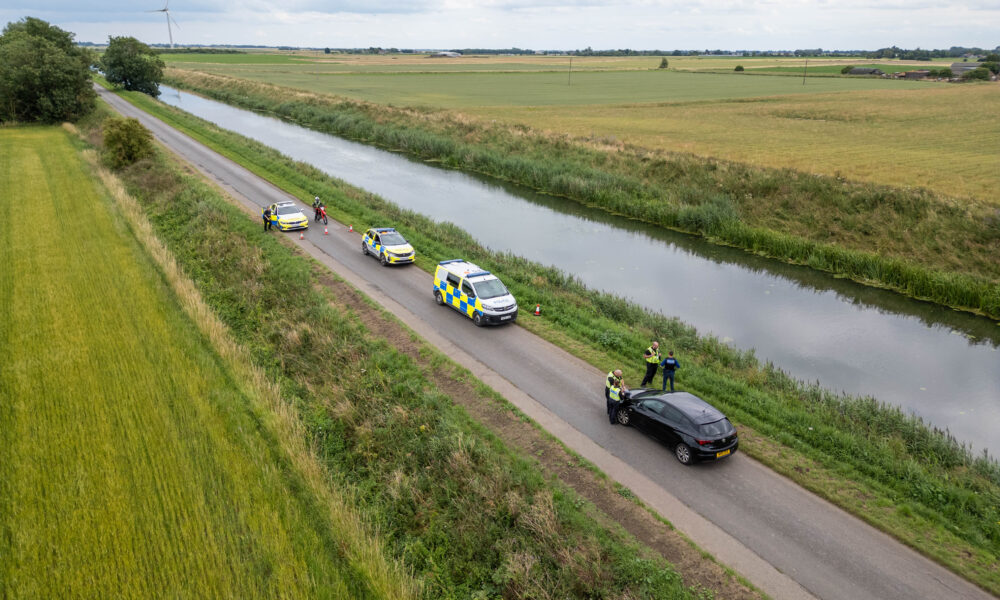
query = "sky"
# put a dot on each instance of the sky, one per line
(534, 24)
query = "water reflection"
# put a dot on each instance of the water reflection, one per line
(935, 362)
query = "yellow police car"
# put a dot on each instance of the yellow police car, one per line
(476, 293)
(287, 216)
(388, 246)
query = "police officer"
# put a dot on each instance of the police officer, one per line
(670, 364)
(652, 357)
(267, 218)
(614, 387)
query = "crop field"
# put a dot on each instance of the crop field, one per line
(131, 463)
(900, 133)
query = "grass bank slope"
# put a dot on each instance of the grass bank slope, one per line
(131, 464)
(468, 516)
(873, 460)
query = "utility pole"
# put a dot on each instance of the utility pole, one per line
(804, 72)
(569, 78)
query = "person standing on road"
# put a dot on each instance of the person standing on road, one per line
(670, 364)
(267, 218)
(614, 387)
(652, 357)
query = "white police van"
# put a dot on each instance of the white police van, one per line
(476, 293)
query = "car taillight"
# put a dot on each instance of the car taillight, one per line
(703, 442)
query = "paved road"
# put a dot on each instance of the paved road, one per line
(788, 542)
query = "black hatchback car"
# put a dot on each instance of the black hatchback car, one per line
(694, 428)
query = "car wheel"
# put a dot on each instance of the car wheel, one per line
(437, 298)
(624, 416)
(683, 453)
(364, 248)
(477, 319)
(382, 260)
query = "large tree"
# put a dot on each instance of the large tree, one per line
(44, 76)
(133, 65)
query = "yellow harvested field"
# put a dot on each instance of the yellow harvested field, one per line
(940, 138)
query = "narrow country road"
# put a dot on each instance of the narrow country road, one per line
(786, 541)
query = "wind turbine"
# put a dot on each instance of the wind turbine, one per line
(166, 12)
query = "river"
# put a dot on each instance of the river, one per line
(939, 364)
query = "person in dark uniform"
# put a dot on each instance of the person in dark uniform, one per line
(614, 387)
(670, 364)
(267, 218)
(652, 358)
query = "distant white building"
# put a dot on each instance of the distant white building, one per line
(445, 54)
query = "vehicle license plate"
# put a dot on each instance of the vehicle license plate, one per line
(723, 453)
(505, 318)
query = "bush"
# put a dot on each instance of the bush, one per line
(738, 68)
(846, 69)
(979, 74)
(664, 63)
(125, 142)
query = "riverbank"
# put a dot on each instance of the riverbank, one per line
(910, 241)
(871, 459)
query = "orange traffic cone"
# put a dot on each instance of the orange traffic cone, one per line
(325, 232)
(350, 228)
(302, 235)
(538, 310)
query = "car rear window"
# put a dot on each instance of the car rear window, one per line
(716, 429)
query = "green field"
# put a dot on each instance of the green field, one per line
(892, 132)
(133, 461)
(501, 91)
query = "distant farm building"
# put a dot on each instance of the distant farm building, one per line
(921, 74)
(865, 71)
(445, 54)
(957, 69)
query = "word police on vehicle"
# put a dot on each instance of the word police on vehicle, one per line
(476, 293)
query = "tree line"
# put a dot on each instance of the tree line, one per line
(46, 77)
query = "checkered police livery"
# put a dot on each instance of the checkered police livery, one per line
(388, 246)
(476, 293)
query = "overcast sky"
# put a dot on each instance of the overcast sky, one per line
(538, 24)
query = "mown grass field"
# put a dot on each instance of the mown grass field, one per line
(870, 459)
(133, 462)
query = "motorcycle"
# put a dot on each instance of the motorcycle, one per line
(321, 214)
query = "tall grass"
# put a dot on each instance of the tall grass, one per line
(933, 260)
(132, 462)
(886, 458)
(463, 513)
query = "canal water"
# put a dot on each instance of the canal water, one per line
(934, 362)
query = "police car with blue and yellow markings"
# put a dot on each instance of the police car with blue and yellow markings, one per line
(476, 293)
(287, 216)
(388, 246)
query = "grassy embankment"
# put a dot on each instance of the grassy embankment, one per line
(907, 240)
(897, 133)
(463, 513)
(135, 461)
(873, 460)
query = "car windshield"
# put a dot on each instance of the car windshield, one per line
(716, 429)
(287, 210)
(392, 239)
(490, 288)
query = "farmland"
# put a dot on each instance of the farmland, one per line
(897, 133)
(133, 462)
